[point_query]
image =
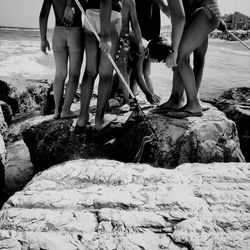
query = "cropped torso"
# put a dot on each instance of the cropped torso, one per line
(95, 4)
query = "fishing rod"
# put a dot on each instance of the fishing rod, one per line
(238, 39)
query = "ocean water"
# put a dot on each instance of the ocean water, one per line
(227, 63)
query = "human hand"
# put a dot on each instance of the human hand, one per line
(153, 99)
(140, 49)
(171, 60)
(44, 46)
(222, 26)
(105, 44)
(68, 16)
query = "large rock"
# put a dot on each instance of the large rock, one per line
(235, 103)
(211, 138)
(101, 204)
(23, 96)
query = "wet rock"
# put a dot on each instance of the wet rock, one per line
(103, 204)
(23, 96)
(235, 103)
(54, 141)
(210, 138)
(7, 112)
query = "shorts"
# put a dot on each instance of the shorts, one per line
(92, 18)
(68, 39)
(123, 50)
(211, 10)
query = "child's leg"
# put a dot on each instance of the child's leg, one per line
(90, 73)
(147, 74)
(199, 62)
(75, 62)
(194, 35)
(61, 58)
(176, 99)
(105, 82)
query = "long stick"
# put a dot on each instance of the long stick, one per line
(238, 39)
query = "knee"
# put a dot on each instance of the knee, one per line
(74, 76)
(183, 59)
(61, 76)
(90, 73)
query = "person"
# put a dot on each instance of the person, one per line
(105, 17)
(202, 17)
(150, 23)
(67, 46)
(129, 16)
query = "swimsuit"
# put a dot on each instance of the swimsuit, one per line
(211, 10)
(67, 39)
(93, 17)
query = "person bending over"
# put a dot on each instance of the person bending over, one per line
(203, 16)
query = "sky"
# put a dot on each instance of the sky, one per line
(25, 13)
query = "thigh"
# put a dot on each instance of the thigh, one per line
(61, 61)
(196, 31)
(201, 51)
(75, 62)
(91, 50)
(105, 67)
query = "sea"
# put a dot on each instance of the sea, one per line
(227, 63)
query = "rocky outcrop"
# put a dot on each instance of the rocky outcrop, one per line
(211, 138)
(23, 96)
(235, 103)
(101, 204)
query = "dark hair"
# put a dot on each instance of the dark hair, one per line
(159, 48)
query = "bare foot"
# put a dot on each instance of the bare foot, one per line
(108, 119)
(56, 115)
(170, 106)
(70, 114)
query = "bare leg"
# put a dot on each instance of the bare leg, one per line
(194, 35)
(75, 62)
(147, 74)
(90, 74)
(199, 62)
(61, 58)
(176, 99)
(105, 82)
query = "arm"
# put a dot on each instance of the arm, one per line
(43, 22)
(135, 25)
(68, 13)
(178, 22)
(163, 6)
(105, 13)
(138, 70)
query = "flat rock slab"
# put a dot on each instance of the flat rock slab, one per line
(104, 204)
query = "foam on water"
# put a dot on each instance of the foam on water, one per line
(24, 58)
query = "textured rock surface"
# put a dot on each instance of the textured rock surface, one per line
(235, 103)
(101, 204)
(211, 138)
(23, 96)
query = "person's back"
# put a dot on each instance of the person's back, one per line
(59, 8)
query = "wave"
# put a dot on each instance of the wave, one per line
(17, 29)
